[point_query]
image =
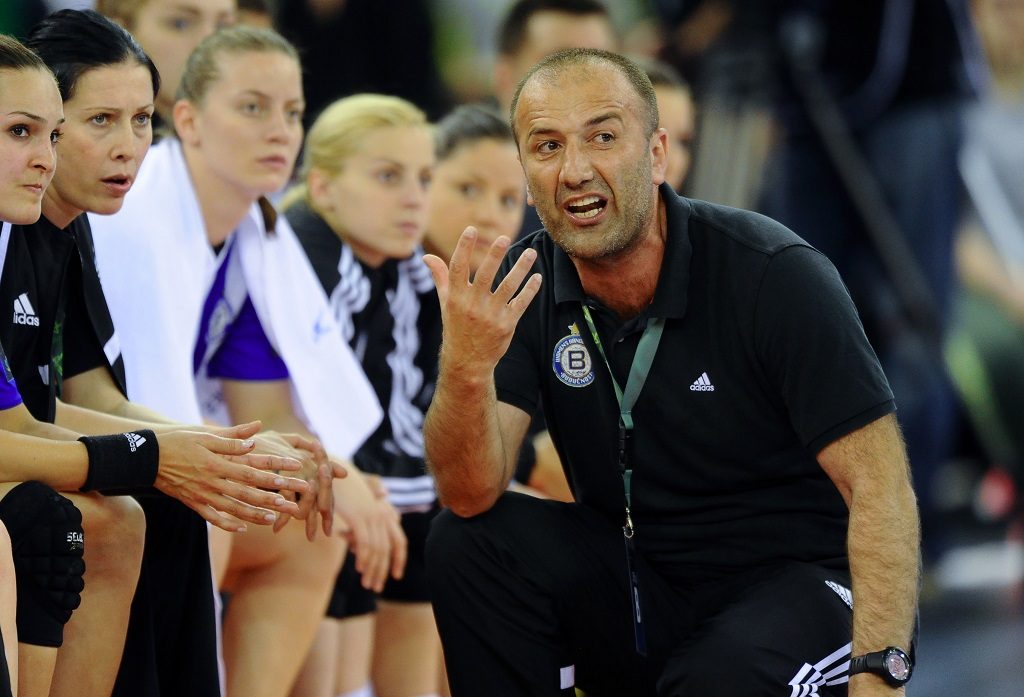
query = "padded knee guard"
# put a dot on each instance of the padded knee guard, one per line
(47, 542)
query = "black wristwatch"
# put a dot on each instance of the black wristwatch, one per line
(892, 663)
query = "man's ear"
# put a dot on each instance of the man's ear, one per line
(659, 155)
(186, 122)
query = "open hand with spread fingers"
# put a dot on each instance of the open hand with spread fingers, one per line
(478, 322)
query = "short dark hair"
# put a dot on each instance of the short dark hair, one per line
(512, 30)
(467, 124)
(571, 57)
(72, 42)
(14, 55)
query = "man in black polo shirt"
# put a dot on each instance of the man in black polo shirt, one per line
(724, 423)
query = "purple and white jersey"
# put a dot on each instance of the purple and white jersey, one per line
(9, 395)
(231, 340)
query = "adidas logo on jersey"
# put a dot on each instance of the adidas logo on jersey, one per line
(702, 384)
(24, 313)
(135, 441)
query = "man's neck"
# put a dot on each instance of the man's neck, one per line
(625, 283)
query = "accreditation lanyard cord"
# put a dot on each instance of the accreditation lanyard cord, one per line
(638, 371)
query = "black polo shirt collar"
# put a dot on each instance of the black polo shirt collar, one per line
(670, 295)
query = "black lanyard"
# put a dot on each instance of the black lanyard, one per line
(638, 371)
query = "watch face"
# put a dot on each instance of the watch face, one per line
(897, 665)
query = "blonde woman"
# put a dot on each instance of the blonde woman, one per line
(216, 292)
(360, 214)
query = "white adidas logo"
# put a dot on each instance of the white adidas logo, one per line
(135, 441)
(842, 591)
(702, 384)
(24, 313)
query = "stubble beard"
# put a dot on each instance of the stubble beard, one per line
(612, 238)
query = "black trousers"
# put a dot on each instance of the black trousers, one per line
(531, 599)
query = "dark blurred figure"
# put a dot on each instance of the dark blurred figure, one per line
(894, 77)
(677, 114)
(17, 16)
(255, 13)
(353, 46)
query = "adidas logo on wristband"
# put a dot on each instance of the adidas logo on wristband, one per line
(135, 441)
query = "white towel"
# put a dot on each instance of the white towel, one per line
(157, 267)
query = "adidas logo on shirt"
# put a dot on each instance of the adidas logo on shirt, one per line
(135, 441)
(702, 384)
(24, 313)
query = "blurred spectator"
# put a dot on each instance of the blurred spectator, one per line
(677, 115)
(169, 32)
(986, 349)
(893, 76)
(255, 13)
(353, 46)
(534, 29)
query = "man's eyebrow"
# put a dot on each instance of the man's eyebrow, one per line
(601, 118)
(541, 132)
(595, 121)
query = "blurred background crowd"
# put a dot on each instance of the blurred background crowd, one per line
(888, 133)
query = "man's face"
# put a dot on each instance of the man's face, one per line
(548, 32)
(591, 170)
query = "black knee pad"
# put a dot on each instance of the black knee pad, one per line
(48, 542)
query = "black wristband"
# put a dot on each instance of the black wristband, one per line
(122, 462)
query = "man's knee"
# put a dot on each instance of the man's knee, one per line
(47, 544)
(453, 540)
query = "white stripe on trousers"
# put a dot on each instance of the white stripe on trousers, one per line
(810, 677)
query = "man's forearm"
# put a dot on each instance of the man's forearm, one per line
(884, 549)
(464, 443)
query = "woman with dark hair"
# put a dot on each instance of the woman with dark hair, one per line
(65, 361)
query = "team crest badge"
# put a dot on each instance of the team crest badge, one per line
(571, 360)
